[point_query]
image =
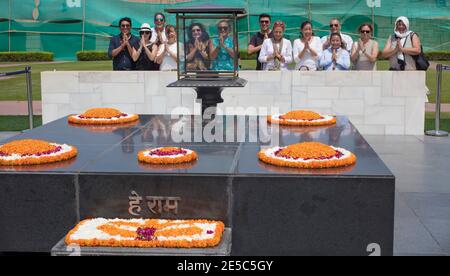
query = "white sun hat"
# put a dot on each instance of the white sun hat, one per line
(145, 27)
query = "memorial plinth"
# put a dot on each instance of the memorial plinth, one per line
(269, 210)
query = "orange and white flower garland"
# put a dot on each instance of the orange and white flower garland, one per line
(167, 155)
(103, 116)
(302, 118)
(34, 152)
(146, 233)
(308, 155)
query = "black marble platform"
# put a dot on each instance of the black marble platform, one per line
(271, 210)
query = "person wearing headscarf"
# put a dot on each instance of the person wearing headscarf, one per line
(402, 46)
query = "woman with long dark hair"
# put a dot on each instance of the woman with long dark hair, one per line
(199, 48)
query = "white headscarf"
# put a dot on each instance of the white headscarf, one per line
(404, 35)
(406, 22)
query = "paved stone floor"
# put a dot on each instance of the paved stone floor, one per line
(19, 108)
(422, 168)
(422, 211)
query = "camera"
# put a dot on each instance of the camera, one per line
(402, 64)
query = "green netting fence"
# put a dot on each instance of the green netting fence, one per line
(67, 26)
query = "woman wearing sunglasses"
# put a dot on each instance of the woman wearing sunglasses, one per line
(223, 53)
(335, 27)
(199, 48)
(145, 55)
(159, 32)
(365, 51)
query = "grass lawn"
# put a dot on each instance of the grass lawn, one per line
(13, 89)
(18, 123)
(430, 121)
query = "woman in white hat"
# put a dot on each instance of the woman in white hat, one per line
(402, 46)
(145, 55)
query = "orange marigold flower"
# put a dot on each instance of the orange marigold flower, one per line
(167, 156)
(301, 118)
(301, 115)
(102, 113)
(308, 150)
(103, 116)
(125, 233)
(34, 152)
(308, 155)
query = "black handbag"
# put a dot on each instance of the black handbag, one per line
(422, 64)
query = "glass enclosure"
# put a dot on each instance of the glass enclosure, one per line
(208, 45)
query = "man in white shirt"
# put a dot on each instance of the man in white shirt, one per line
(335, 27)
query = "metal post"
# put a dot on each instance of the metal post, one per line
(29, 96)
(9, 25)
(248, 23)
(437, 132)
(84, 25)
(309, 11)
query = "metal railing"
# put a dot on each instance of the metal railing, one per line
(438, 132)
(27, 72)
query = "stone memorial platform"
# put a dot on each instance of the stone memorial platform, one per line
(269, 210)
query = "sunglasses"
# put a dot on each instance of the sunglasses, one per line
(196, 30)
(125, 26)
(159, 20)
(146, 32)
(365, 32)
(223, 28)
(334, 25)
(264, 22)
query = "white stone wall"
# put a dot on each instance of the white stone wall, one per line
(382, 102)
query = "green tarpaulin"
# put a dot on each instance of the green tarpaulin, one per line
(67, 26)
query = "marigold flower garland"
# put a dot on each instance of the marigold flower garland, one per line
(167, 156)
(302, 118)
(34, 152)
(102, 116)
(308, 155)
(146, 233)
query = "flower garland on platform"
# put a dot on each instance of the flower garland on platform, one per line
(146, 233)
(103, 116)
(167, 156)
(302, 118)
(34, 152)
(307, 155)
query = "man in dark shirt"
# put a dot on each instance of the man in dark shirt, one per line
(257, 40)
(121, 47)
